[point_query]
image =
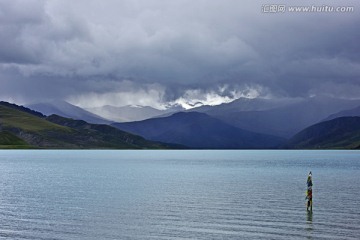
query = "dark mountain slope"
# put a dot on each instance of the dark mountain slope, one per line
(102, 135)
(287, 120)
(198, 130)
(354, 112)
(340, 133)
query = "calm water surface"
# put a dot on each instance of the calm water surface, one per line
(178, 194)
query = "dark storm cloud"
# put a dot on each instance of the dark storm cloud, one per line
(15, 18)
(102, 50)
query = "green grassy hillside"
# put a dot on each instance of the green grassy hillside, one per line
(12, 118)
(8, 140)
(19, 128)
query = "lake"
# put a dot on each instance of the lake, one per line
(81, 194)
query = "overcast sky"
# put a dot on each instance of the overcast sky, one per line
(154, 52)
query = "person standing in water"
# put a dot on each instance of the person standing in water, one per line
(309, 192)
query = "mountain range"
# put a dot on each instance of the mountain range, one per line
(23, 128)
(131, 113)
(199, 130)
(242, 124)
(282, 118)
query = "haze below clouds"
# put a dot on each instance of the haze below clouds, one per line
(158, 52)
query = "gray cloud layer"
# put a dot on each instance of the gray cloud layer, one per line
(102, 50)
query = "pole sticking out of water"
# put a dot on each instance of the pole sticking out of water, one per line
(309, 192)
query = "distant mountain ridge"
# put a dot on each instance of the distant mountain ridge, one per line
(198, 130)
(245, 104)
(65, 109)
(354, 112)
(279, 118)
(242, 124)
(343, 132)
(130, 113)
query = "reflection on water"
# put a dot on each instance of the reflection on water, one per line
(309, 217)
(309, 224)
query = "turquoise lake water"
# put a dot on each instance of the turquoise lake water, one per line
(178, 194)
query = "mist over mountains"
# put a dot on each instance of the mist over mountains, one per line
(242, 124)
(282, 118)
(131, 112)
(65, 109)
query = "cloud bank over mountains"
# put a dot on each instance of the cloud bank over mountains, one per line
(157, 52)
